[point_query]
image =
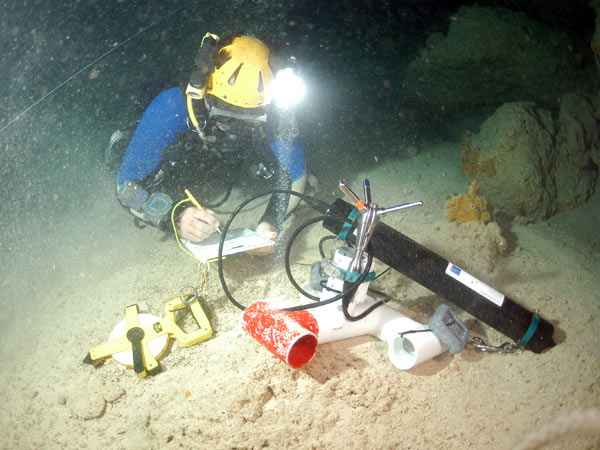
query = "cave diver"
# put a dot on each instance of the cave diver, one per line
(231, 120)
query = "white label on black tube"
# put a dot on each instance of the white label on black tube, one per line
(473, 283)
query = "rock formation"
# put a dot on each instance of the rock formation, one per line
(490, 56)
(530, 167)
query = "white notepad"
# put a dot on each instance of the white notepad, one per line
(237, 240)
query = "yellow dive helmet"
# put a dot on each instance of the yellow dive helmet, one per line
(242, 73)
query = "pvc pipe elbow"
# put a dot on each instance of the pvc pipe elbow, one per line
(409, 342)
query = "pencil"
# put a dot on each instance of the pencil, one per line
(196, 203)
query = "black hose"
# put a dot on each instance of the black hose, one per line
(320, 206)
(322, 241)
(348, 292)
(223, 200)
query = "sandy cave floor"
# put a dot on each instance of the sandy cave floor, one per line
(230, 392)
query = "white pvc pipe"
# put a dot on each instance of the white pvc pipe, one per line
(385, 323)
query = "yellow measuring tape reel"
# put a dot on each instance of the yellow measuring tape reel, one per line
(140, 339)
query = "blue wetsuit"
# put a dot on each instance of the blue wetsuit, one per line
(163, 122)
(163, 118)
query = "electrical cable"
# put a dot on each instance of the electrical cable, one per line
(382, 274)
(362, 315)
(386, 297)
(348, 297)
(322, 241)
(352, 287)
(317, 204)
(183, 247)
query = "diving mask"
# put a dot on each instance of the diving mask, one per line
(222, 115)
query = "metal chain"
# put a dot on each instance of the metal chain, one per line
(204, 278)
(189, 294)
(507, 347)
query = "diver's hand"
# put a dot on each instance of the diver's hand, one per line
(266, 231)
(197, 224)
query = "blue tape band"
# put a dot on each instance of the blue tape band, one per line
(351, 277)
(535, 320)
(343, 234)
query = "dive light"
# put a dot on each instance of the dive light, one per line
(287, 88)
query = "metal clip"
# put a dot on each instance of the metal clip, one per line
(188, 294)
(507, 347)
